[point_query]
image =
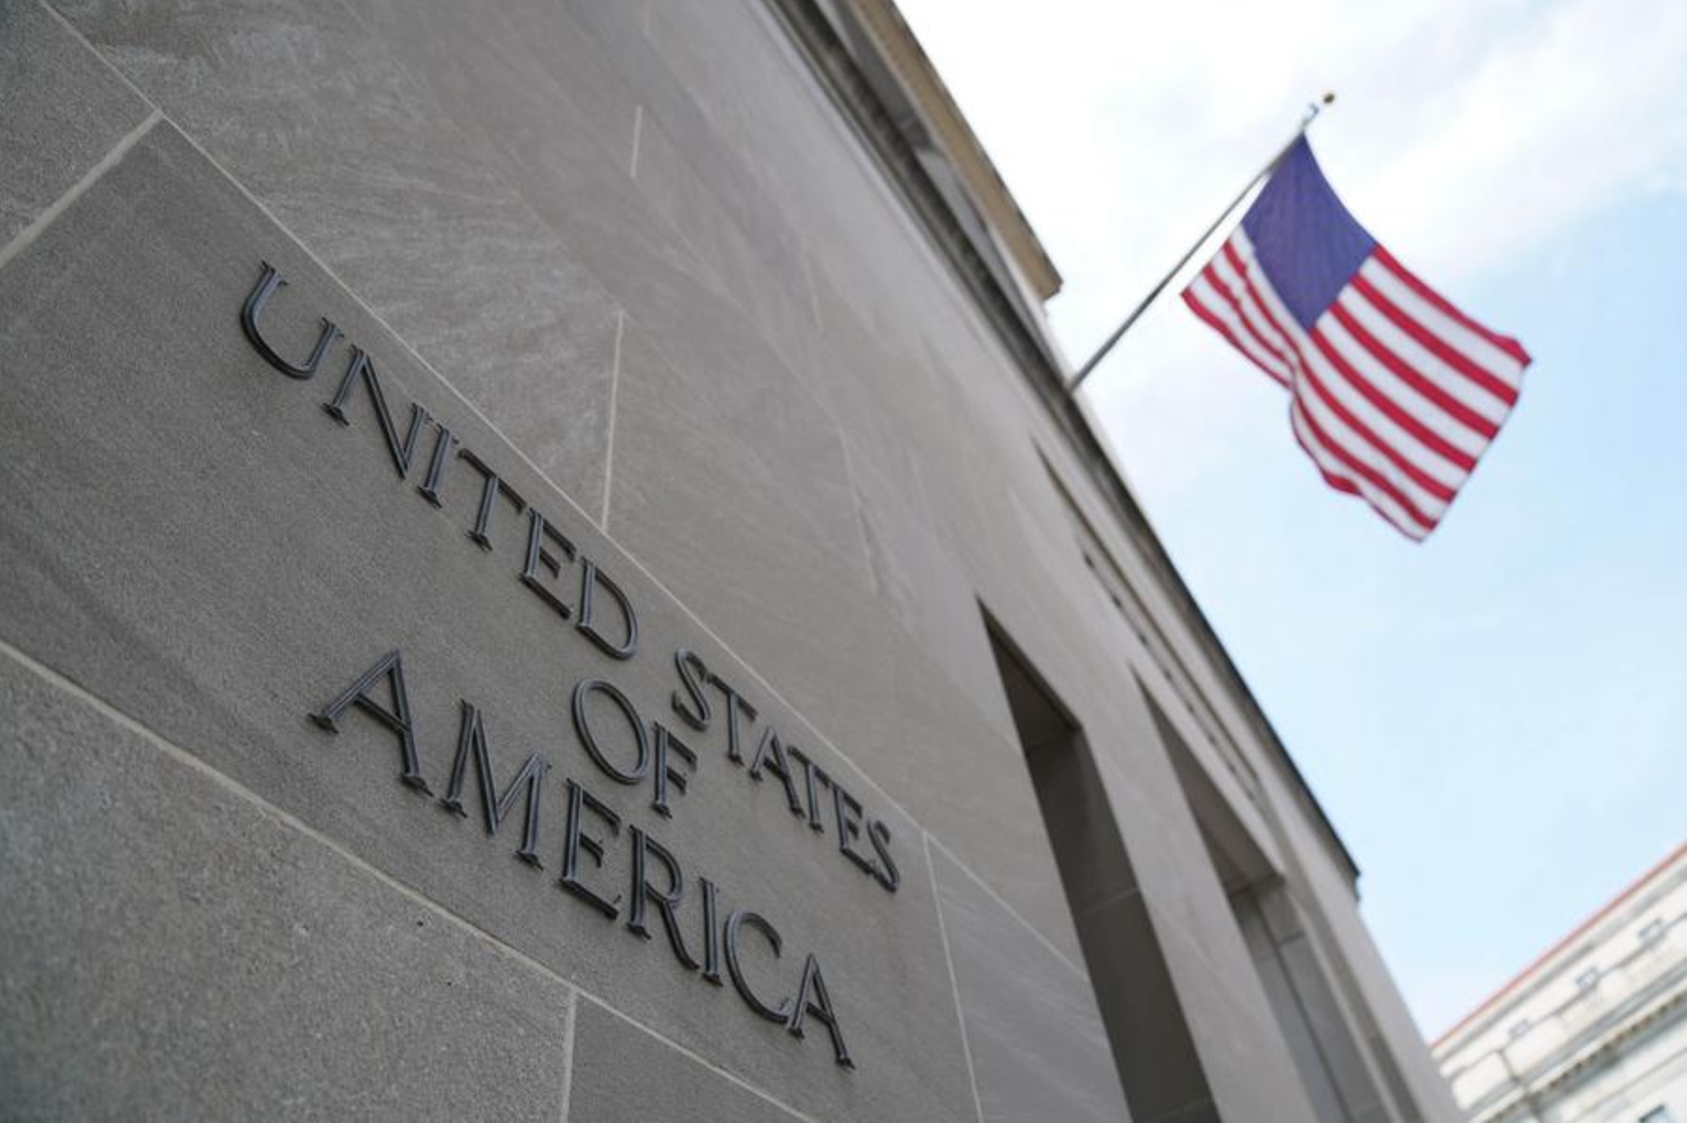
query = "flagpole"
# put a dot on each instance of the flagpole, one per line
(1108, 344)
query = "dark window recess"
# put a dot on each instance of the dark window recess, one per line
(1159, 1068)
(1341, 1077)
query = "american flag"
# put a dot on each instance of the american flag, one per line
(1394, 392)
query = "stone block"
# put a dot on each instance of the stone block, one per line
(732, 486)
(621, 1072)
(65, 110)
(172, 949)
(755, 258)
(1038, 1044)
(335, 131)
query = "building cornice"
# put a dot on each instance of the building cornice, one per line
(956, 137)
(1580, 1060)
(1539, 967)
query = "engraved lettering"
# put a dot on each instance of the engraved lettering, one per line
(491, 489)
(539, 530)
(772, 755)
(429, 489)
(576, 840)
(664, 774)
(693, 676)
(813, 1000)
(736, 920)
(644, 849)
(735, 703)
(593, 578)
(589, 740)
(472, 741)
(360, 368)
(712, 935)
(396, 717)
(268, 282)
(886, 873)
(848, 811)
(813, 777)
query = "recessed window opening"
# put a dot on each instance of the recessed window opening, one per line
(1157, 1060)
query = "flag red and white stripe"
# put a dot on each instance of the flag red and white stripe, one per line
(1394, 393)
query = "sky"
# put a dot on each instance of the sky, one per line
(1493, 719)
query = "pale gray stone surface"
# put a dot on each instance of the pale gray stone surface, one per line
(734, 490)
(1327, 1103)
(326, 126)
(171, 949)
(1038, 1044)
(937, 746)
(705, 168)
(1328, 1053)
(620, 1072)
(192, 537)
(64, 110)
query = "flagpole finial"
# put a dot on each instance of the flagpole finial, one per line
(1314, 107)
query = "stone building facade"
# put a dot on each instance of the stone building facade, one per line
(546, 571)
(1594, 1028)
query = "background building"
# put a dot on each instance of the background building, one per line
(546, 569)
(1594, 1029)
